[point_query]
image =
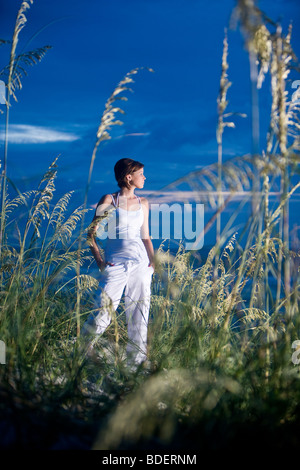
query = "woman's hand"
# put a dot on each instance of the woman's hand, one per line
(102, 264)
(152, 265)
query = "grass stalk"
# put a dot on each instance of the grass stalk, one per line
(219, 346)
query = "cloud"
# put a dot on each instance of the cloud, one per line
(133, 134)
(29, 134)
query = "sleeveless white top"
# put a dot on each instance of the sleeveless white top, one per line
(124, 241)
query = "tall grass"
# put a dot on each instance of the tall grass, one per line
(221, 332)
(13, 74)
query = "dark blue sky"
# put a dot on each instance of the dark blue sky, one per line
(170, 118)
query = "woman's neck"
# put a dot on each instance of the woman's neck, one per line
(128, 193)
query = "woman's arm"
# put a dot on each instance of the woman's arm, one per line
(103, 205)
(145, 233)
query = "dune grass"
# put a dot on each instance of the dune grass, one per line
(222, 363)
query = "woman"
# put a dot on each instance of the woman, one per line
(129, 259)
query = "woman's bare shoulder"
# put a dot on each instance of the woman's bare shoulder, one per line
(106, 199)
(144, 202)
(104, 203)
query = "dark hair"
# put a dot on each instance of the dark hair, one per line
(124, 167)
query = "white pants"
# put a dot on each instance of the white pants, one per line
(135, 278)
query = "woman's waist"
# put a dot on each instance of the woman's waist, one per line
(115, 243)
(124, 234)
(129, 248)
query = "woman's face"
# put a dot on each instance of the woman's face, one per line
(137, 178)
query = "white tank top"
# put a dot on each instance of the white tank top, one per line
(124, 241)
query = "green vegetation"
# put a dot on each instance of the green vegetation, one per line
(221, 333)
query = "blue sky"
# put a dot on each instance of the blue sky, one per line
(171, 115)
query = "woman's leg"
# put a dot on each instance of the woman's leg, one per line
(111, 288)
(137, 304)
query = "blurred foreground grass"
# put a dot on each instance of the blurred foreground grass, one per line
(223, 366)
